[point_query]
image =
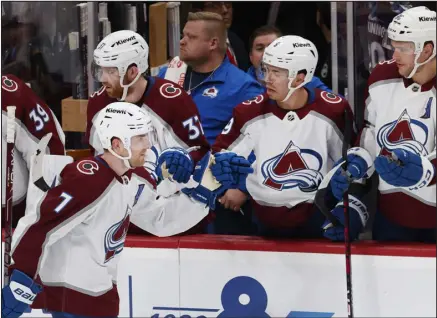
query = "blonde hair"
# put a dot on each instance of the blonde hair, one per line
(214, 26)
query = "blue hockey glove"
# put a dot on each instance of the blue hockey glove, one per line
(359, 162)
(209, 187)
(18, 295)
(358, 217)
(178, 163)
(405, 169)
(239, 166)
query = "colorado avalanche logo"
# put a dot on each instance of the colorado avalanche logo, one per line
(403, 133)
(8, 84)
(289, 170)
(168, 90)
(115, 236)
(210, 92)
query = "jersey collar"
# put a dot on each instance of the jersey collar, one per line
(150, 83)
(410, 84)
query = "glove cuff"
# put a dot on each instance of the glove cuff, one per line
(23, 288)
(202, 195)
(358, 206)
(427, 174)
(365, 155)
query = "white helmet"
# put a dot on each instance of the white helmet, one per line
(294, 54)
(122, 120)
(121, 49)
(417, 25)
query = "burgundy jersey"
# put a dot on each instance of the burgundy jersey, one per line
(33, 120)
(174, 115)
(73, 240)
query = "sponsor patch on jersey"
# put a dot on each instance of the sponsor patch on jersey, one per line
(8, 84)
(168, 90)
(330, 97)
(87, 167)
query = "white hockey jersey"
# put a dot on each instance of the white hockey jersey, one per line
(293, 149)
(401, 114)
(33, 120)
(72, 243)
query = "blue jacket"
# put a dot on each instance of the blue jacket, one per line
(217, 97)
(315, 82)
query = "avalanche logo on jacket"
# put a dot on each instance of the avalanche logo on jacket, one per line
(116, 235)
(403, 133)
(289, 170)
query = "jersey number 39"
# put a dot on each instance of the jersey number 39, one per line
(39, 116)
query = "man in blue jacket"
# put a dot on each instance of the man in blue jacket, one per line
(216, 86)
(204, 71)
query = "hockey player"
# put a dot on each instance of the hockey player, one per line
(296, 134)
(400, 131)
(120, 60)
(34, 119)
(69, 248)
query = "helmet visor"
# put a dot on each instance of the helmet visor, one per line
(102, 74)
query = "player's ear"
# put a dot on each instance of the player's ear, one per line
(299, 79)
(132, 72)
(116, 144)
(428, 48)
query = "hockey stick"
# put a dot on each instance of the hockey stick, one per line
(320, 202)
(347, 242)
(44, 174)
(10, 139)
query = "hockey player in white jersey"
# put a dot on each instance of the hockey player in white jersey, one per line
(66, 253)
(399, 133)
(296, 135)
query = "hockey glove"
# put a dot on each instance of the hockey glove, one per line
(359, 162)
(208, 188)
(358, 217)
(18, 295)
(178, 164)
(238, 165)
(405, 169)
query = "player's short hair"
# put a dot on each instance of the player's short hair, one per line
(263, 30)
(214, 26)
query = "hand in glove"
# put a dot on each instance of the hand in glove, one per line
(405, 169)
(358, 217)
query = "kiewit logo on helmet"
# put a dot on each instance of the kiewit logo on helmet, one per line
(124, 40)
(296, 45)
(117, 111)
(426, 19)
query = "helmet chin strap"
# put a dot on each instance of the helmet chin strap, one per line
(125, 159)
(416, 65)
(126, 87)
(291, 90)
